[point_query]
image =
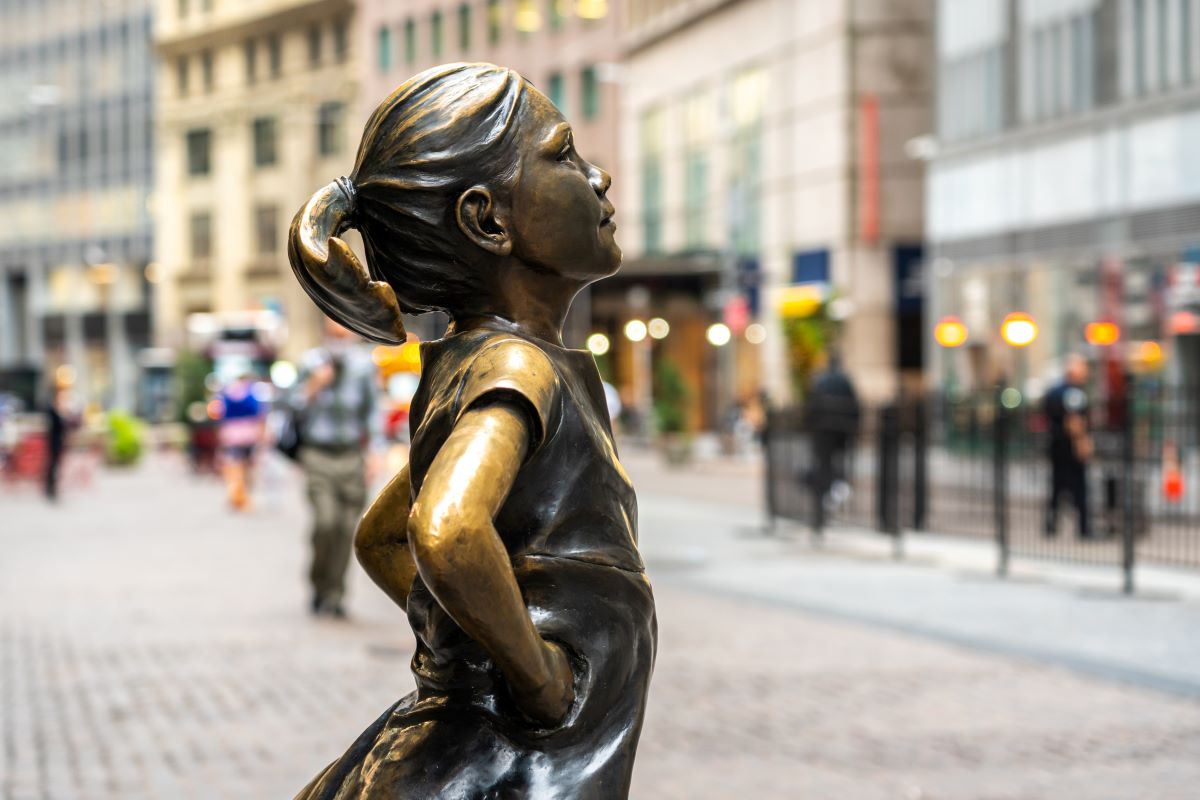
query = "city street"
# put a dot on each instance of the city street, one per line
(154, 645)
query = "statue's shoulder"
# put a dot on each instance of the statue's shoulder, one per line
(497, 362)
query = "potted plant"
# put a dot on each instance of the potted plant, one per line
(671, 397)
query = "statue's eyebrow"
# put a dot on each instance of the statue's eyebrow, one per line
(554, 140)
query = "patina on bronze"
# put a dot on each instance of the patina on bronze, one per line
(510, 538)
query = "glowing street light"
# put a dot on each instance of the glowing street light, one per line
(598, 343)
(756, 333)
(1102, 334)
(1018, 329)
(718, 334)
(635, 330)
(659, 328)
(950, 332)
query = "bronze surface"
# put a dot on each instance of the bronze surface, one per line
(510, 537)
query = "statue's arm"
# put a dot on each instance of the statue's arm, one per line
(381, 541)
(463, 562)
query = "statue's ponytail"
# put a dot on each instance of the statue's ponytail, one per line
(330, 272)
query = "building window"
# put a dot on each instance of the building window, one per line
(495, 19)
(385, 48)
(199, 151)
(1164, 43)
(275, 55)
(341, 40)
(410, 41)
(265, 139)
(181, 75)
(1185, 41)
(557, 92)
(206, 70)
(266, 229)
(314, 46)
(652, 180)
(589, 88)
(200, 235)
(558, 11)
(464, 27)
(749, 98)
(527, 19)
(1139, 46)
(697, 139)
(251, 56)
(329, 128)
(435, 34)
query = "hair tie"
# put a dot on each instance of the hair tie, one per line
(347, 188)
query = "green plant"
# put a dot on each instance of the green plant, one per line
(807, 338)
(671, 397)
(125, 437)
(190, 371)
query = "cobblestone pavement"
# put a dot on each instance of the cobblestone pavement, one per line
(154, 646)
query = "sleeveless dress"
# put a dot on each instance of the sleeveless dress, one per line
(570, 527)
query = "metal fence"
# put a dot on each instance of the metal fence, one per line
(978, 466)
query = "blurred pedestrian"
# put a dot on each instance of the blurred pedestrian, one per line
(58, 418)
(1066, 410)
(336, 400)
(831, 412)
(239, 434)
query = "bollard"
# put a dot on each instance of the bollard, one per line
(1000, 435)
(1128, 548)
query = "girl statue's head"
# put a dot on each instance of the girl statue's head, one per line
(470, 199)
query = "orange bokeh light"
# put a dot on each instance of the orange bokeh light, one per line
(1102, 334)
(950, 332)
(1019, 329)
(1150, 353)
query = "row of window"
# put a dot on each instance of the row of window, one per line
(527, 18)
(266, 233)
(185, 7)
(1071, 64)
(271, 49)
(265, 137)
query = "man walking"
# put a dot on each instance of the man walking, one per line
(338, 418)
(832, 416)
(1066, 409)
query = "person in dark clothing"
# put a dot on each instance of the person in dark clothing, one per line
(1070, 446)
(832, 415)
(56, 438)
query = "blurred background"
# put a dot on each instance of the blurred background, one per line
(904, 358)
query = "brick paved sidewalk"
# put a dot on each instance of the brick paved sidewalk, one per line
(154, 646)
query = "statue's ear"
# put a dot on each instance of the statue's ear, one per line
(482, 221)
(334, 277)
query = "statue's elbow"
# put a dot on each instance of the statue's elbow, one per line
(439, 537)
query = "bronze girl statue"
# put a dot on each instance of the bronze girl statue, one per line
(511, 537)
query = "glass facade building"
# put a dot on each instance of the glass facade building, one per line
(76, 130)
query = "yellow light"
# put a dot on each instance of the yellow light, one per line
(1019, 329)
(153, 272)
(64, 376)
(718, 334)
(802, 300)
(528, 18)
(1102, 334)
(410, 356)
(1150, 353)
(592, 9)
(102, 274)
(598, 343)
(950, 332)
(756, 333)
(659, 328)
(635, 330)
